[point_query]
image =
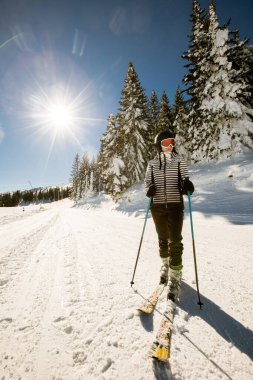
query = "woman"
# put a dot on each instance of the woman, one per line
(164, 176)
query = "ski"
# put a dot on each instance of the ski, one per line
(160, 348)
(148, 306)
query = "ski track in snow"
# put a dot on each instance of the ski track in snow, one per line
(68, 311)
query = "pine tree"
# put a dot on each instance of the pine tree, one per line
(133, 119)
(84, 176)
(179, 102)
(225, 127)
(218, 121)
(74, 178)
(165, 119)
(116, 181)
(154, 109)
(6, 200)
(180, 124)
(95, 180)
(110, 163)
(16, 198)
(197, 75)
(107, 144)
(240, 54)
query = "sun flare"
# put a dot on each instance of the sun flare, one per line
(56, 115)
(60, 116)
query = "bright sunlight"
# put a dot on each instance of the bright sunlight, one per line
(57, 115)
(60, 116)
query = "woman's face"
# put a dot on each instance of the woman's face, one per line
(167, 149)
(168, 145)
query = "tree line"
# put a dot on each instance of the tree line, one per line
(16, 198)
(212, 116)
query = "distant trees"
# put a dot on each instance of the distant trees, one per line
(74, 177)
(6, 200)
(84, 177)
(39, 195)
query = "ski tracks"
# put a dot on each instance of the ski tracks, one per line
(42, 298)
(67, 311)
(60, 299)
(17, 250)
(111, 333)
(29, 265)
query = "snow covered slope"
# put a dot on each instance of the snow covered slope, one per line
(68, 311)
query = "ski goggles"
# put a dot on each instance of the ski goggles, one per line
(168, 143)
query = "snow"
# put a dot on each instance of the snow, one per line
(115, 166)
(68, 310)
(221, 37)
(219, 122)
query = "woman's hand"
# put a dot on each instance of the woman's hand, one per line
(187, 186)
(151, 191)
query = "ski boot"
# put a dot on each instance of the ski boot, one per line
(164, 270)
(174, 284)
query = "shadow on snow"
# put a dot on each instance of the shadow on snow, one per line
(226, 326)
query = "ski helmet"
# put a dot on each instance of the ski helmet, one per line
(161, 136)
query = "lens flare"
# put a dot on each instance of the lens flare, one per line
(10, 39)
(60, 114)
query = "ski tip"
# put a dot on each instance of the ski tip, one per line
(159, 352)
(145, 310)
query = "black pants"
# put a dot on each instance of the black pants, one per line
(169, 222)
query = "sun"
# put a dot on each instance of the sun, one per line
(60, 116)
(56, 115)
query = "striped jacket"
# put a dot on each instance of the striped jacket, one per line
(163, 173)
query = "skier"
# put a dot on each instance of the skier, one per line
(166, 179)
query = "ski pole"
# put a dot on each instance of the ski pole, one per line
(193, 246)
(138, 254)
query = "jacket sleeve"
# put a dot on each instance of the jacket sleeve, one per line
(183, 169)
(148, 178)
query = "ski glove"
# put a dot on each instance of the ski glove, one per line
(187, 186)
(151, 191)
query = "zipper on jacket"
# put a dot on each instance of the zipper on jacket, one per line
(164, 171)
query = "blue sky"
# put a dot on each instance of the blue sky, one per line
(78, 51)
